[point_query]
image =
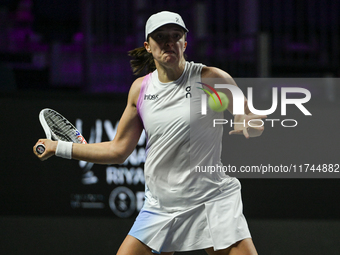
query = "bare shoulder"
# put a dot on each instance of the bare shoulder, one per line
(214, 72)
(135, 90)
(209, 72)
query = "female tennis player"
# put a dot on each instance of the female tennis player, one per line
(184, 209)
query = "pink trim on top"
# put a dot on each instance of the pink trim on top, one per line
(141, 93)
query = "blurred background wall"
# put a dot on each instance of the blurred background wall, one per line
(71, 56)
(83, 44)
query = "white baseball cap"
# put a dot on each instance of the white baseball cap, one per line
(162, 18)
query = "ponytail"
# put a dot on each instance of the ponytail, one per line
(142, 61)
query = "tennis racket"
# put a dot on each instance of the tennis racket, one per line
(57, 128)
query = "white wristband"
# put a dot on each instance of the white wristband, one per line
(64, 149)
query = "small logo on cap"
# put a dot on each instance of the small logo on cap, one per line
(177, 19)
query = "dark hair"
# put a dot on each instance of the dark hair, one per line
(142, 61)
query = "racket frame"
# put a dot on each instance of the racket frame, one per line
(40, 148)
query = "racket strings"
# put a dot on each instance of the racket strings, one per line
(61, 127)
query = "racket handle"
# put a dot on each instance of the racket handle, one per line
(40, 149)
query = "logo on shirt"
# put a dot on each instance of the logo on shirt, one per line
(150, 97)
(188, 90)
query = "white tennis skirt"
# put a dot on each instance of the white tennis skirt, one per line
(218, 223)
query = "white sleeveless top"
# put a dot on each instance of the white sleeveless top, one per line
(179, 138)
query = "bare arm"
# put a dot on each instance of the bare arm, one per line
(112, 152)
(215, 75)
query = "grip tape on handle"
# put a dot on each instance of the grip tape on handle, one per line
(40, 149)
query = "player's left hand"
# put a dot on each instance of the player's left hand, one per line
(255, 128)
